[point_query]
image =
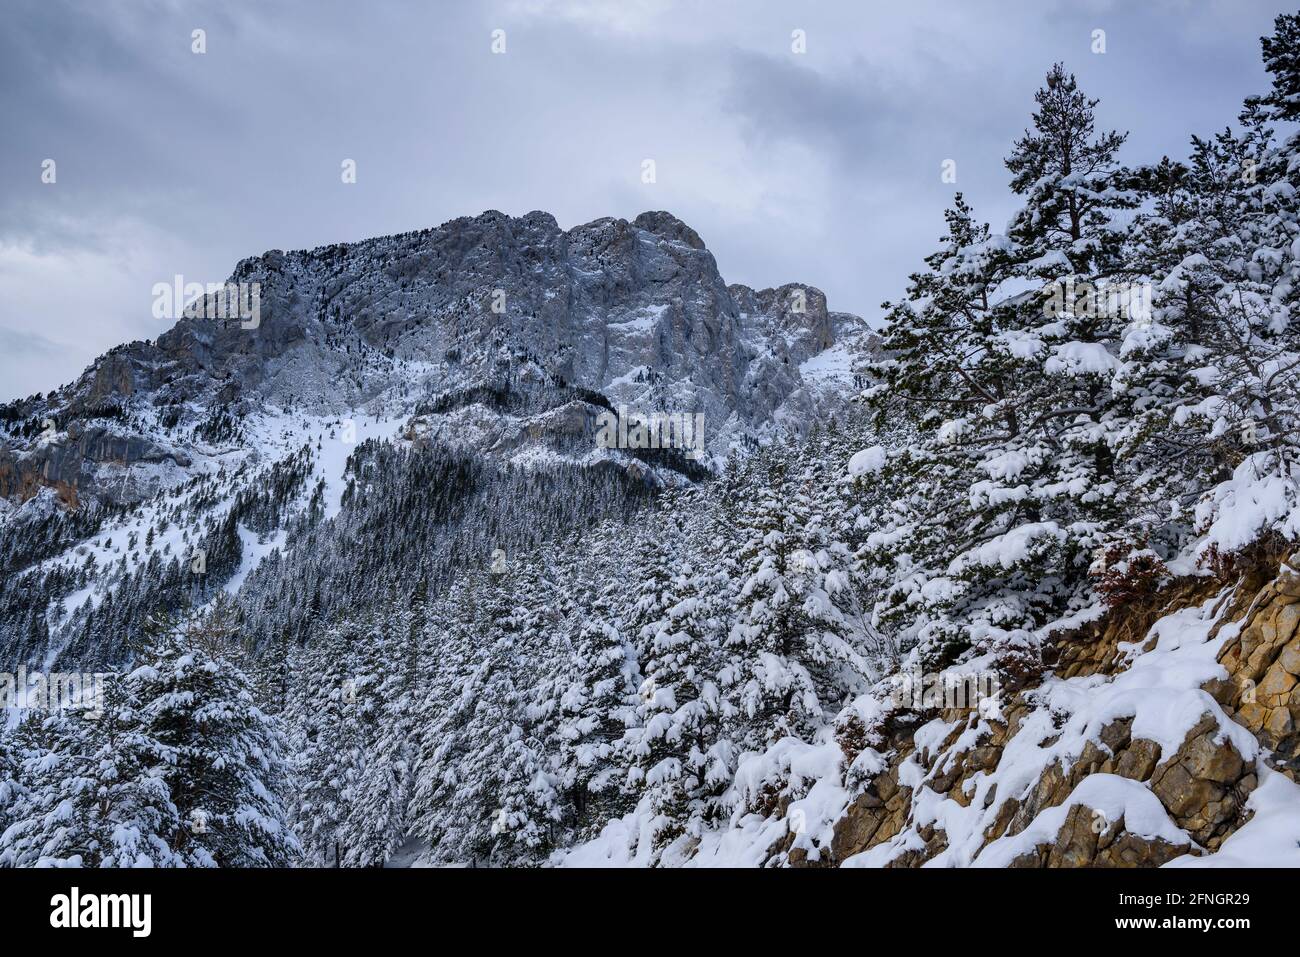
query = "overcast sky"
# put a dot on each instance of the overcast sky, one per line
(820, 167)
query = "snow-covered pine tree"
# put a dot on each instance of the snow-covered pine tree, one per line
(1070, 235)
(455, 667)
(14, 751)
(793, 658)
(227, 774)
(382, 722)
(1220, 368)
(328, 751)
(532, 804)
(95, 792)
(956, 368)
(595, 708)
(1256, 358)
(1010, 483)
(681, 752)
(484, 787)
(1187, 411)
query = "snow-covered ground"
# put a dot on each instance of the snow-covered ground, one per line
(1160, 690)
(271, 436)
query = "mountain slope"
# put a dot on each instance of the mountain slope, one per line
(171, 469)
(1161, 734)
(634, 311)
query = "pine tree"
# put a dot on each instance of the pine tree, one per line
(1187, 399)
(97, 794)
(13, 790)
(1070, 233)
(326, 744)
(1009, 480)
(595, 710)
(378, 812)
(795, 659)
(227, 774)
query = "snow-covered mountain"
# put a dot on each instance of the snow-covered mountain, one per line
(446, 319)
(1027, 593)
(498, 341)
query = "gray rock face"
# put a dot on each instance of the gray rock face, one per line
(635, 311)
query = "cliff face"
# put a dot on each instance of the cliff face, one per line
(635, 311)
(1159, 733)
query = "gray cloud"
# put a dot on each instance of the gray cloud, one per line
(821, 167)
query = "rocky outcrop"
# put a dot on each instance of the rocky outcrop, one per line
(877, 815)
(69, 461)
(1263, 664)
(1202, 785)
(1082, 843)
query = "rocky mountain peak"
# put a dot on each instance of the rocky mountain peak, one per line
(669, 226)
(634, 312)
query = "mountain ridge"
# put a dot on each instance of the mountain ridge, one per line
(239, 454)
(636, 311)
